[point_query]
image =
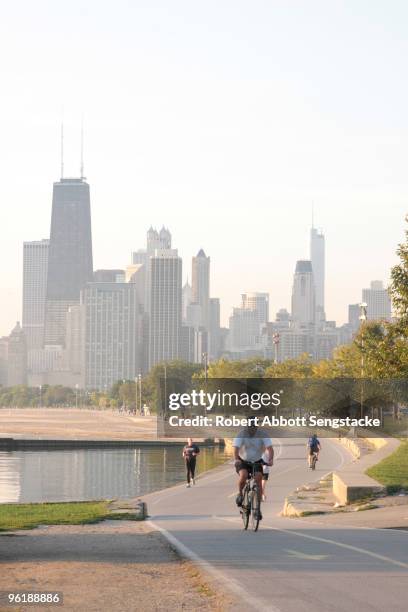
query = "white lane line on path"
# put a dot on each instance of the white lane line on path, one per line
(326, 541)
(230, 583)
(331, 525)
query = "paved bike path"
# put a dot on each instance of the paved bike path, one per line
(289, 565)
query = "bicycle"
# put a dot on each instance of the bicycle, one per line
(251, 502)
(314, 460)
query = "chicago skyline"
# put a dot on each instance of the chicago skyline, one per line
(108, 324)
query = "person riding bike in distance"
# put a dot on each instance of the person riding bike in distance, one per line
(249, 446)
(313, 446)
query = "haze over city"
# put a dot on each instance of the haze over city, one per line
(227, 145)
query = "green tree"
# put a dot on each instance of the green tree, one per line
(245, 368)
(302, 367)
(399, 285)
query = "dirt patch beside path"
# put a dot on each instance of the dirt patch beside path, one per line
(116, 566)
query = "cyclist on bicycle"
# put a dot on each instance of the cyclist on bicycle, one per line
(249, 446)
(314, 447)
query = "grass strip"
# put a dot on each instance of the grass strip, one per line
(393, 470)
(27, 516)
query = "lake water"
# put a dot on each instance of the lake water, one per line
(63, 475)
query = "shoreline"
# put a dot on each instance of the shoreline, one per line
(11, 444)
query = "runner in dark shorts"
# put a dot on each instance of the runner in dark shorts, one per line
(190, 452)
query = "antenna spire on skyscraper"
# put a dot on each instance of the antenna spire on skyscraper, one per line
(312, 214)
(82, 148)
(62, 148)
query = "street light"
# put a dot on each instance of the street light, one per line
(204, 358)
(140, 393)
(276, 340)
(76, 395)
(40, 388)
(136, 396)
(165, 387)
(363, 319)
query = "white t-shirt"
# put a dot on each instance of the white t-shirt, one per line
(251, 448)
(266, 468)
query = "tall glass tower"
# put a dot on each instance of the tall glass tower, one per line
(70, 254)
(317, 257)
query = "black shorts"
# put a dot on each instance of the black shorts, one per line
(265, 476)
(312, 451)
(244, 465)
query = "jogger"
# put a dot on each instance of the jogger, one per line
(190, 452)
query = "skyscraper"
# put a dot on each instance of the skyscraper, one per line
(258, 302)
(113, 333)
(165, 280)
(108, 276)
(215, 327)
(186, 299)
(354, 317)
(247, 321)
(378, 302)
(35, 269)
(70, 254)
(303, 295)
(200, 285)
(317, 257)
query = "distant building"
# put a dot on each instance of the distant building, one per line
(325, 343)
(3, 361)
(42, 362)
(154, 240)
(200, 285)
(247, 322)
(293, 343)
(317, 258)
(214, 329)
(186, 299)
(70, 254)
(378, 302)
(354, 317)
(259, 303)
(165, 288)
(194, 316)
(76, 339)
(17, 357)
(303, 295)
(187, 343)
(35, 270)
(108, 276)
(113, 333)
(139, 257)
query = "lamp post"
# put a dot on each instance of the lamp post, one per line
(363, 319)
(140, 394)
(165, 387)
(76, 395)
(40, 388)
(204, 358)
(276, 340)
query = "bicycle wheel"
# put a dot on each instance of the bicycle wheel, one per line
(246, 507)
(314, 459)
(255, 508)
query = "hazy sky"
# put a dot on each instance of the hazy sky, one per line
(222, 120)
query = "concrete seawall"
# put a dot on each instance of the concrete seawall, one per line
(352, 483)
